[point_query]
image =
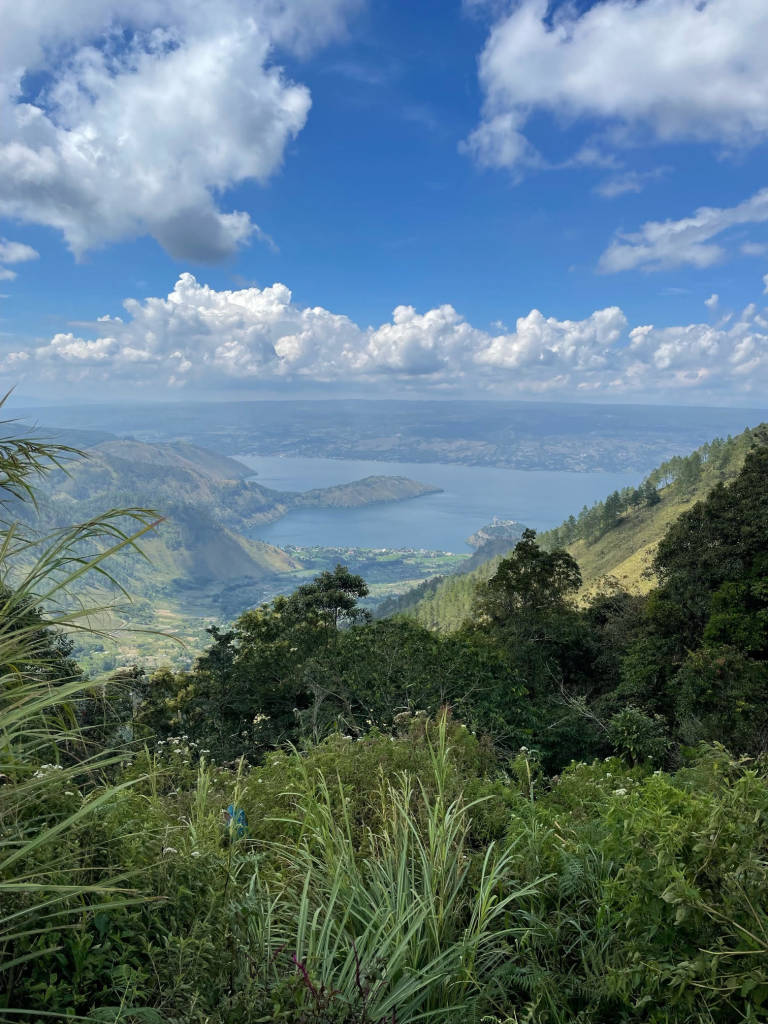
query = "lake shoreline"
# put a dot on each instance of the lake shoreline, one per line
(468, 499)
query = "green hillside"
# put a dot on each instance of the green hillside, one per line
(169, 476)
(201, 538)
(205, 560)
(210, 504)
(614, 538)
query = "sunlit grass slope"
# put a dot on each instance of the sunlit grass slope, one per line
(626, 552)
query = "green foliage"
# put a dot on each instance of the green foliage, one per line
(718, 540)
(396, 875)
(286, 674)
(443, 838)
(413, 925)
(639, 737)
(249, 688)
(51, 778)
(720, 693)
(700, 659)
(330, 601)
(530, 582)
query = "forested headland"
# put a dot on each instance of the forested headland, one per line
(552, 809)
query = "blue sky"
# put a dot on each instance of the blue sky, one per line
(561, 201)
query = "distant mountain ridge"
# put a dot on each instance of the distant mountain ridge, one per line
(512, 434)
(177, 453)
(167, 475)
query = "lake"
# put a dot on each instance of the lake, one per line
(471, 497)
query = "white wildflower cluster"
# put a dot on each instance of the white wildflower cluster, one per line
(46, 769)
(179, 748)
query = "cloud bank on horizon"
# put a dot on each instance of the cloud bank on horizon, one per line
(198, 337)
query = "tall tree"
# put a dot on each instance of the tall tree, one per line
(530, 581)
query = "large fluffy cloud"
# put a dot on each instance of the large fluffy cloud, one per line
(208, 341)
(130, 118)
(680, 69)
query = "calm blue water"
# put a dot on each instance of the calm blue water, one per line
(471, 496)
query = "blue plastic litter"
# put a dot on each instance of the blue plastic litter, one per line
(236, 820)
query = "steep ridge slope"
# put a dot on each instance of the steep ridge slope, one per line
(615, 538)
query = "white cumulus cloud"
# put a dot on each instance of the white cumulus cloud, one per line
(544, 343)
(679, 69)
(206, 340)
(149, 111)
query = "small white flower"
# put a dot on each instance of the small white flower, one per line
(169, 849)
(619, 792)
